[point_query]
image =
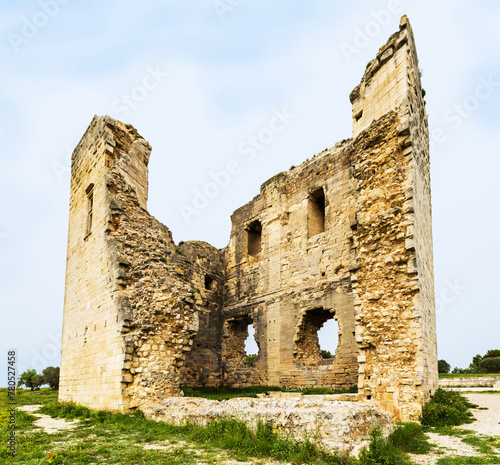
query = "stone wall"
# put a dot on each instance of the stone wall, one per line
(394, 291)
(346, 235)
(93, 349)
(133, 301)
(300, 278)
(483, 381)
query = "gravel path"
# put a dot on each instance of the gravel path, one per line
(48, 424)
(488, 421)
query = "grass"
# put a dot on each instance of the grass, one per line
(468, 375)
(410, 437)
(112, 438)
(222, 393)
(480, 392)
(464, 460)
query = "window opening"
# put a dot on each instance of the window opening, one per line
(316, 212)
(90, 210)
(254, 239)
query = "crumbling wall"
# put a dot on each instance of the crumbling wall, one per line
(205, 270)
(345, 235)
(392, 239)
(302, 266)
(146, 294)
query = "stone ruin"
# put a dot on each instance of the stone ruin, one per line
(346, 235)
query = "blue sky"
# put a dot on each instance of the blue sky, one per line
(220, 76)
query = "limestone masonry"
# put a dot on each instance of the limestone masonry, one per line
(346, 235)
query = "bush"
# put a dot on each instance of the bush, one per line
(492, 353)
(446, 408)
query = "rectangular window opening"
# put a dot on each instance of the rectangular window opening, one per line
(90, 210)
(316, 212)
(254, 239)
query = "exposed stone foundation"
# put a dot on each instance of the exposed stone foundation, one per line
(332, 423)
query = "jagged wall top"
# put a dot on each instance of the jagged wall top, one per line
(385, 85)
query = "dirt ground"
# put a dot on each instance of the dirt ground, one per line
(488, 421)
(50, 425)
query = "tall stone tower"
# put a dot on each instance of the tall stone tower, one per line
(345, 236)
(94, 353)
(392, 269)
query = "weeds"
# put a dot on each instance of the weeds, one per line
(447, 408)
(382, 452)
(410, 437)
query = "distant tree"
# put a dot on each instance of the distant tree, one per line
(443, 366)
(250, 359)
(475, 366)
(458, 371)
(51, 377)
(485, 363)
(493, 353)
(26, 379)
(490, 365)
(36, 382)
(327, 354)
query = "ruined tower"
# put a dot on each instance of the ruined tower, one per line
(346, 235)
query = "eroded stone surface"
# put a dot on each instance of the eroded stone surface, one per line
(336, 424)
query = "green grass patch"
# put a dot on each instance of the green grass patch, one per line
(483, 445)
(449, 431)
(462, 460)
(468, 375)
(110, 438)
(410, 437)
(223, 393)
(447, 408)
(382, 451)
(479, 392)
